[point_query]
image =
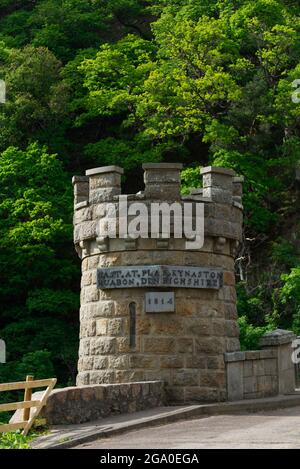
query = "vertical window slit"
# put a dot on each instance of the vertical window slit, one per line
(132, 325)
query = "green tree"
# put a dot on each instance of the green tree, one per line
(37, 99)
(38, 270)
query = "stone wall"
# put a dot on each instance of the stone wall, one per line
(184, 348)
(87, 403)
(262, 373)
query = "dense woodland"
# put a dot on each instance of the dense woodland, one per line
(97, 82)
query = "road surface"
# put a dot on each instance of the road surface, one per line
(270, 429)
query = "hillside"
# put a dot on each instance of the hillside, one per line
(101, 82)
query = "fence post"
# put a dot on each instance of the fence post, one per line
(27, 397)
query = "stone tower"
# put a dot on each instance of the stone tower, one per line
(151, 308)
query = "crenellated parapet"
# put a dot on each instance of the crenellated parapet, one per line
(221, 196)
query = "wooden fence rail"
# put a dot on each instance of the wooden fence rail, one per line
(27, 404)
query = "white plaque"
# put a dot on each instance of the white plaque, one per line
(159, 302)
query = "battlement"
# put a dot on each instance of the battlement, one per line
(96, 193)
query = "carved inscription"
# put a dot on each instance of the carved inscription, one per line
(159, 276)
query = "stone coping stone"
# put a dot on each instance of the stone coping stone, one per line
(104, 169)
(197, 191)
(277, 337)
(249, 355)
(238, 179)
(77, 179)
(237, 205)
(252, 355)
(218, 170)
(234, 356)
(147, 166)
(196, 198)
(268, 353)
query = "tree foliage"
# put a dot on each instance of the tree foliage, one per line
(38, 280)
(93, 82)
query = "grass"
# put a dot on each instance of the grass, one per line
(15, 440)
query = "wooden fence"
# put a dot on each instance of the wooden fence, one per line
(28, 417)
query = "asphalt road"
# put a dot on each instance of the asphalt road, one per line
(272, 429)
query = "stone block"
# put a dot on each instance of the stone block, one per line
(85, 231)
(100, 363)
(264, 385)
(198, 394)
(82, 215)
(195, 361)
(122, 345)
(101, 326)
(98, 377)
(163, 326)
(90, 294)
(83, 378)
(270, 366)
(162, 180)
(143, 325)
(93, 262)
(234, 356)
(87, 329)
(105, 181)
(128, 376)
(186, 378)
(85, 363)
(144, 361)
(227, 294)
(232, 344)
(228, 278)
(231, 328)
(105, 309)
(115, 327)
(84, 264)
(86, 278)
(84, 347)
(174, 361)
(210, 345)
(286, 381)
(225, 262)
(212, 378)
(185, 345)
(248, 368)
(259, 367)
(159, 345)
(238, 185)
(218, 327)
(118, 362)
(186, 308)
(198, 327)
(250, 385)
(268, 353)
(215, 363)
(235, 380)
(252, 355)
(102, 346)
